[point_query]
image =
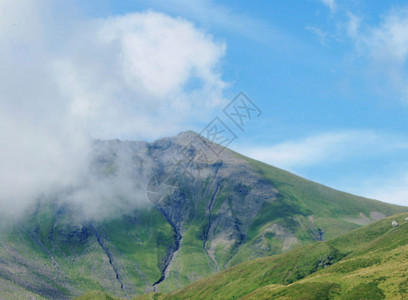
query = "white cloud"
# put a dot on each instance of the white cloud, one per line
(319, 33)
(65, 81)
(391, 188)
(141, 75)
(210, 12)
(353, 25)
(385, 45)
(389, 183)
(20, 21)
(304, 152)
(160, 53)
(331, 4)
(396, 193)
(327, 147)
(389, 41)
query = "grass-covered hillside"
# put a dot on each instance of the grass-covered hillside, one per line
(368, 263)
(303, 207)
(232, 210)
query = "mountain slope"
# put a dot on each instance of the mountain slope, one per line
(367, 263)
(201, 214)
(376, 270)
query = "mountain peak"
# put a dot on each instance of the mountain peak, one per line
(173, 210)
(187, 133)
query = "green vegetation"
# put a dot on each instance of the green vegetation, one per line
(60, 253)
(303, 209)
(247, 210)
(368, 263)
(96, 295)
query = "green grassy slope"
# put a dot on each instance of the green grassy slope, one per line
(52, 253)
(376, 270)
(96, 295)
(302, 212)
(368, 263)
(301, 207)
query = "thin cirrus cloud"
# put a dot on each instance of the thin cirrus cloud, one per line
(390, 186)
(385, 47)
(331, 4)
(326, 147)
(392, 189)
(212, 14)
(66, 81)
(380, 47)
(388, 183)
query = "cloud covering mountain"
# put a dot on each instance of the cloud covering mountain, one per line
(67, 79)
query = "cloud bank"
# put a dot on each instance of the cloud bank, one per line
(65, 81)
(143, 74)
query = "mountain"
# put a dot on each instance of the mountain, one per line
(367, 263)
(157, 216)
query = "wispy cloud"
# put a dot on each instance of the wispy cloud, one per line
(331, 4)
(319, 33)
(389, 40)
(213, 14)
(353, 25)
(392, 188)
(388, 183)
(385, 46)
(326, 147)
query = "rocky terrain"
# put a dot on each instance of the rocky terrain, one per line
(157, 216)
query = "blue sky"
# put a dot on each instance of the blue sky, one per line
(334, 109)
(331, 79)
